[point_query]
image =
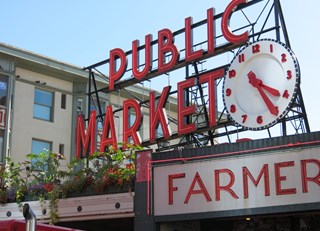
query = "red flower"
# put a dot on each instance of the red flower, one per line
(48, 187)
(130, 166)
(120, 181)
(124, 147)
(110, 171)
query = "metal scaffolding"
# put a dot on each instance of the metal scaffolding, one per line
(268, 23)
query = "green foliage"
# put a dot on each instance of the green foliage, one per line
(42, 178)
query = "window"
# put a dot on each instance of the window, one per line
(63, 101)
(43, 105)
(3, 90)
(132, 118)
(61, 149)
(3, 114)
(2, 153)
(39, 146)
(79, 104)
(95, 106)
(159, 132)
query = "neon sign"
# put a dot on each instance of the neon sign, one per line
(85, 140)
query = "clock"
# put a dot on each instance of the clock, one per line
(261, 84)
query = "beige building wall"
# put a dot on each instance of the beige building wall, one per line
(25, 127)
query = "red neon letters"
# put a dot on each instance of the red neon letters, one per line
(304, 175)
(225, 23)
(168, 57)
(131, 130)
(109, 136)
(190, 54)
(158, 115)
(183, 110)
(168, 50)
(210, 78)
(309, 171)
(165, 46)
(135, 58)
(114, 73)
(84, 138)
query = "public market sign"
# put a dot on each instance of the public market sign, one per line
(274, 179)
(85, 138)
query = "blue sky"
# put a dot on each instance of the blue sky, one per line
(82, 32)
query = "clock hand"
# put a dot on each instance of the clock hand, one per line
(255, 82)
(274, 110)
(271, 90)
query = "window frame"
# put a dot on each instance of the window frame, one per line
(43, 150)
(50, 107)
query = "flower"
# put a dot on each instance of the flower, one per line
(35, 189)
(48, 187)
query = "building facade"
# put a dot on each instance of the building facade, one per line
(40, 101)
(38, 112)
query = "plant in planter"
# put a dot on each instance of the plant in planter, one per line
(47, 176)
(106, 172)
(77, 179)
(41, 178)
(14, 181)
(119, 171)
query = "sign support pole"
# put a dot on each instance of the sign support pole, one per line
(143, 219)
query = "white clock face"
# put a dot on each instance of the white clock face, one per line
(261, 84)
